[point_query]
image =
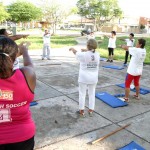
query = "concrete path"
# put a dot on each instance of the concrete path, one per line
(60, 128)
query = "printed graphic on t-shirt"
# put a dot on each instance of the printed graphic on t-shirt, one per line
(5, 115)
(92, 65)
(6, 95)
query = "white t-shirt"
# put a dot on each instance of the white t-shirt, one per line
(90, 37)
(130, 42)
(89, 66)
(46, 39)
(112, 42)
(135, 67)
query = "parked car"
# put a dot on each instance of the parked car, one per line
(85, 32)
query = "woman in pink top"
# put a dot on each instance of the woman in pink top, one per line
(17, 128)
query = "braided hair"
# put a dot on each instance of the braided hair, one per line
(8, 52)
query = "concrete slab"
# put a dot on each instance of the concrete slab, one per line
(134, 108)
(113, 142)
(56, 120)
(140, 125)
(50, 70)
(67, 83)
(107, 80)
(43, 91)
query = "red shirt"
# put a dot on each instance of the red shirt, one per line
(16, 124)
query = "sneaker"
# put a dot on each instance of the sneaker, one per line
(125, 65)
(111, 60)
(136, 97)
(107, 60)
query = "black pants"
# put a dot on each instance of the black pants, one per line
(25, 145)
(126, 57)
(110, 51)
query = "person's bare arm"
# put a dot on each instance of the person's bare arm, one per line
(73, 50)
(17, 37)
(28, 68)
(84, 50)
(125, 47)
(106, 36)
(122, 39)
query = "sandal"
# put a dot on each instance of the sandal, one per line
(90, 113)
(126, 99)
(136, 97)
(81, 113)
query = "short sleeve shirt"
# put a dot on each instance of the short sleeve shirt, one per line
(135, 67)
(89, 66)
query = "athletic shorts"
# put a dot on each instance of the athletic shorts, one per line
(130, 78)
(110, 51)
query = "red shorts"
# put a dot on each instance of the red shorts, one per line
(130, 78)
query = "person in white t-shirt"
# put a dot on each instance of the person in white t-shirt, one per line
(88, 74)
(130, 42)
(111, 46)
(91, 36)
(135, 67)
(46, 45)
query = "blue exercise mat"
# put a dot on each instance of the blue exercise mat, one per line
(114, 67)
(132, 146)
(119, 95)
(110, 100)
(33, 103)
(102, 59)
(142, 90)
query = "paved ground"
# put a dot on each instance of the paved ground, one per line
(60, 128)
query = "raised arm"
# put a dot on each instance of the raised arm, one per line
(17, 37)
(125, 47)
(73, 50)
(122, 39)
(28, 68)
(106, 36)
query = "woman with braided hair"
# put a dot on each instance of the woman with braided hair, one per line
(17, 128)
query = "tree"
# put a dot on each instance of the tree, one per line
(4, 15)
(24, 12)
(54, 12)
(101, 11)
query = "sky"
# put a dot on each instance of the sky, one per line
(130, 7)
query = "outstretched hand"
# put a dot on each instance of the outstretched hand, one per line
(23, 46)
(25, 36)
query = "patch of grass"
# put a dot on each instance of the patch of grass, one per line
(56, 41)
(119, 54)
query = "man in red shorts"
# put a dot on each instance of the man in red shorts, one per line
(135, 67)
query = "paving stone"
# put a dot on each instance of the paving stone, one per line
(43, 91)
(56, 119)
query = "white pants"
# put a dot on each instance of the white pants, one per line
(46, 51)
(82, 94)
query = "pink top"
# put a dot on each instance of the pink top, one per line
(16, 123)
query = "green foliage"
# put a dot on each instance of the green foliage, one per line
(24, 11)
(101, 10)
(142, 26)
(3, 13)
